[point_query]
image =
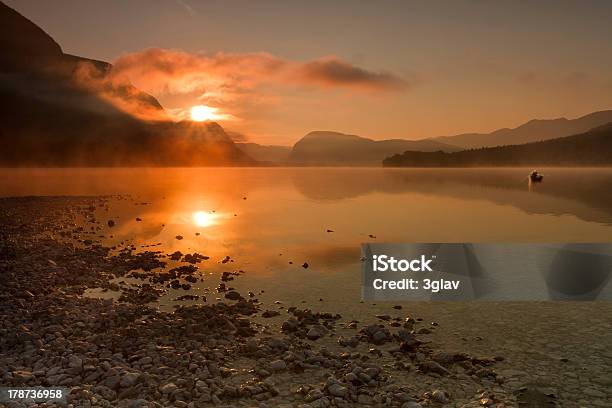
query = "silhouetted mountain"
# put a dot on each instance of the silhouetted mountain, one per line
(266, 153)
(532, 131)
(64, 110)
(23, 44)
(592, 148)
(338, 149)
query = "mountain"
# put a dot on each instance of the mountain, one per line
(532, 131)
(592, 148)
(65, 110)
(266, 153)
(322, 148)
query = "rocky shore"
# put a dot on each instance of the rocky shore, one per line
(235, 352)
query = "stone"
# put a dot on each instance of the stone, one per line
(168, 388)
(440, 396)
(22, 375)
(278, 365)
(129, 379)
(316, 332)
(233, 295)
(379, 337)
(105, 392)
(337, 390)
(75, 362)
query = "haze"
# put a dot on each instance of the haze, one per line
(385, 69)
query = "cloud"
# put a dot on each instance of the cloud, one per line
(179, 71)
(233, 83)
(118, 92)
(335, 72)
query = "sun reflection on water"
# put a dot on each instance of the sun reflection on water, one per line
(204, 219)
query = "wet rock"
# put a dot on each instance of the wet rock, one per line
(290, 326)
(316, 332)
(376, 334)
(195, 258)
(433, 367)
(176, 255)
(443, 357)
(440, 396)
(233, 295)
(352, 341)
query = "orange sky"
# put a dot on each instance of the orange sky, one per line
(276, 70)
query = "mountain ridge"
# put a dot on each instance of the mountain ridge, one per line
(591, 148)
(530, 131)
(63, 110)
(327, 148)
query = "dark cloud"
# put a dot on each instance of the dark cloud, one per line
(335, 72)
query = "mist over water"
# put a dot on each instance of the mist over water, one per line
(270, 221)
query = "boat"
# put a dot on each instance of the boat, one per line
(535, 176)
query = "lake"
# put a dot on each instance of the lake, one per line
(271, 221)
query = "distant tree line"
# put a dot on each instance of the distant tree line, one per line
(592, 148)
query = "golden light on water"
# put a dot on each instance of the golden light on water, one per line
(204, 219)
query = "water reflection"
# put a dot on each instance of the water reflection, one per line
(585, 193)
(204, 219)
(321, 216)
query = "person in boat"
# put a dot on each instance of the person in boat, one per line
(535, 176)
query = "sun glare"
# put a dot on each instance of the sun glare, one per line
(203, 219)
(200, 113)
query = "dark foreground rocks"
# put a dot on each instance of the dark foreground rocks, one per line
(126, 353)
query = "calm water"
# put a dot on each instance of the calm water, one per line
(265, 218)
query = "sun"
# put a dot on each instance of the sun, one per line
(201, 113)
(204, 219)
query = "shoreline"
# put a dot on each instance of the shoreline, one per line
(238, 352)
